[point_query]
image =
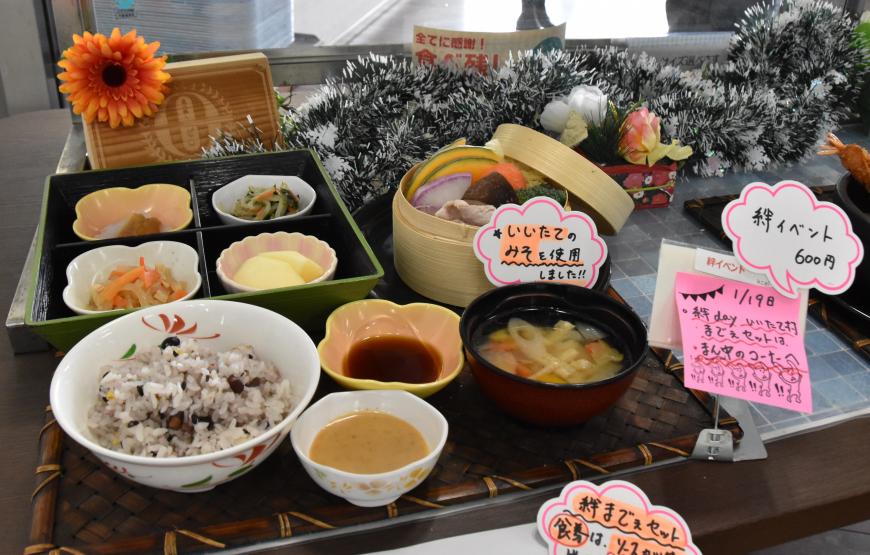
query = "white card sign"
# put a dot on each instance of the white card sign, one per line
(664, 327)
(726, 266)
(540, 241)
(793, 238)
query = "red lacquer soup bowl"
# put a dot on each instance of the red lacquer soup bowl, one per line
(546, 303)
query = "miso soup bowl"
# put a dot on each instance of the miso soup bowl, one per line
(370, 490)
(545, 403)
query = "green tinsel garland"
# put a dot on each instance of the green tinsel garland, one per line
(789, 78)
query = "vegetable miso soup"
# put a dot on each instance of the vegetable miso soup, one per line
(566, 352)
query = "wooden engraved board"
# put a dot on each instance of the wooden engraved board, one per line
(205, 96)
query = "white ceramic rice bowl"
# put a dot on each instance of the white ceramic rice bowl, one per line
(221, 325)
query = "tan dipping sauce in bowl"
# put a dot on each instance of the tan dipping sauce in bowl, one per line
(368, 442)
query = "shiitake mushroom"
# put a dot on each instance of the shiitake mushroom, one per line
(492, 189)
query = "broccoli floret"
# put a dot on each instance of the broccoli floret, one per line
(558, 195)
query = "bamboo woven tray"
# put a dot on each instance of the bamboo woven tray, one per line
(80, 504)
(840, 314)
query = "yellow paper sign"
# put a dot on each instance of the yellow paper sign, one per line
(480, 51)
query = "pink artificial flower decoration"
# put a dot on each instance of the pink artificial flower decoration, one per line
(641, 134)
(641, 140)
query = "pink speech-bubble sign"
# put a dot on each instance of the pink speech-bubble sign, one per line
(593, 520)
(794, 239)
(526, 258)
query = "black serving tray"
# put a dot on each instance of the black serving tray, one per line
(357, 272)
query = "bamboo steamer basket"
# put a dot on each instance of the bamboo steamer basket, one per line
(435, 258)
(589, 188)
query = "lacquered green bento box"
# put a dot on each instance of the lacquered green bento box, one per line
(308, 305)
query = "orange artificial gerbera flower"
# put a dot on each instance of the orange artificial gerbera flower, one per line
(114, 79)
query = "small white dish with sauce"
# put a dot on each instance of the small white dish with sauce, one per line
(370, 490)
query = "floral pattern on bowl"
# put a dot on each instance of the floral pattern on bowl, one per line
(110, 207)
(370, 490)
(232, 257)
(359, 320)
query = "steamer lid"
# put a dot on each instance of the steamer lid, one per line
(589, 188)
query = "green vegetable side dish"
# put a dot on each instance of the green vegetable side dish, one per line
(558, 195)
(268, 203)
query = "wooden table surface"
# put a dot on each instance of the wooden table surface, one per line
(809, 483)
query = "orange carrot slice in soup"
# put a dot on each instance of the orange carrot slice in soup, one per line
(523, 371)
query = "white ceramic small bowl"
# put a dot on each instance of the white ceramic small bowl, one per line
(221, 325)
(370, 490)
(224, 199)
(95, 265)
(232, 257)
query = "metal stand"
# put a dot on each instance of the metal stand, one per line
(714, 444)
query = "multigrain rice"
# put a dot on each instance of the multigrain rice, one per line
(181, 399)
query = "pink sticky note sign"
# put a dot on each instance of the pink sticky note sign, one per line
(540, 241)
(793, 238)
(615, 517)
(742, 340)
